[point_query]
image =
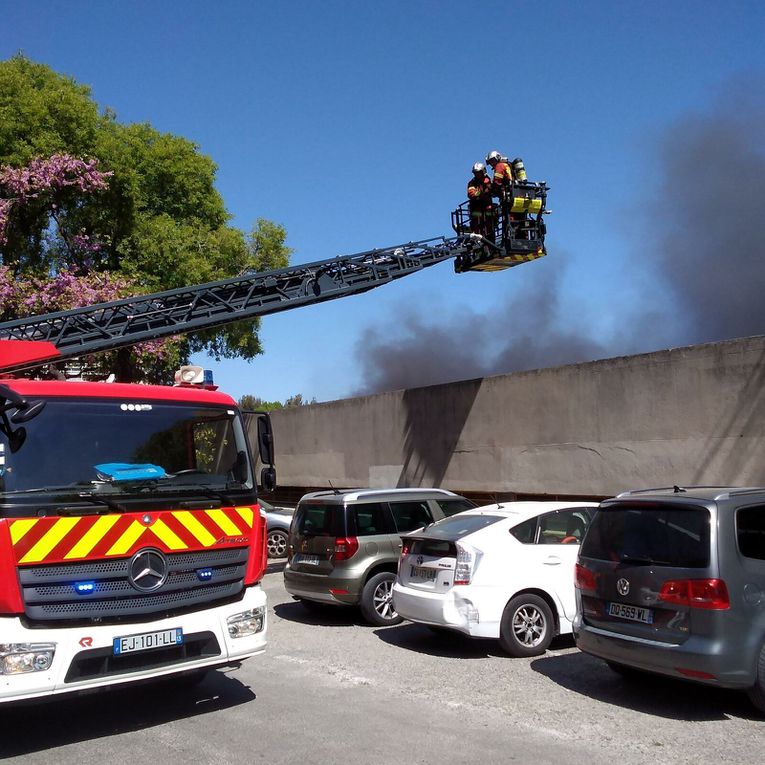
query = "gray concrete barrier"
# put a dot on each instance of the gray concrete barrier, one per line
(693, 415)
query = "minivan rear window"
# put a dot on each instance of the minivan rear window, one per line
(750, 528)
(320, 520)
(665, 536)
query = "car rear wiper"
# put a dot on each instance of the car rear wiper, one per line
(640, 559)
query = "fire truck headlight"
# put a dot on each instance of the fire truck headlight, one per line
(19, 658)
(247, 623)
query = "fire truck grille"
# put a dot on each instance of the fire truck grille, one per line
(102, 590)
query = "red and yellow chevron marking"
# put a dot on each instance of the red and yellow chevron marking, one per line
(65, 540)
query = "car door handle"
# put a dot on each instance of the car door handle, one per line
(552, 560)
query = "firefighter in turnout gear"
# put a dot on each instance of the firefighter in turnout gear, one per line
(479, 202)
(501, 185)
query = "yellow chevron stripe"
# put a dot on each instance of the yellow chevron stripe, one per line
(94, 535)
(21, 527)
(128, 539)
(195, 527)
(168, 536)
(247, 515)
(50, 539)
(227, 526)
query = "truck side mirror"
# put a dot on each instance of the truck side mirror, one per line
(265, 439)
(268, 479)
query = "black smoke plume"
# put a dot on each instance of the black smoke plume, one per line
(699, 258)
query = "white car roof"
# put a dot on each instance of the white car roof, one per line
(521, 511)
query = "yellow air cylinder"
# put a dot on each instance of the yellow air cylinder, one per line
(519, 171)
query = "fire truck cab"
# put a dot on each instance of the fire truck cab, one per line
(131, 541)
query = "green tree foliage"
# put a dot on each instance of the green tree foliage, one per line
(159, 224)
(252, 402)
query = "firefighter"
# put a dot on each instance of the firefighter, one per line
(479, 202)
(501, 187)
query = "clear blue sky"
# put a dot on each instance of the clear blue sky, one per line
(355, 126)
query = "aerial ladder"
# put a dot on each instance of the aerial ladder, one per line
(39, 340)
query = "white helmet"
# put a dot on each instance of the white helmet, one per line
(479, 168)
(493, 156)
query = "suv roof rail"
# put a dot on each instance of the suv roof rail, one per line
(734, 492)
(675, 489)
(356, 493)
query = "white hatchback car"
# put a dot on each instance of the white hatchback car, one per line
(502, 571)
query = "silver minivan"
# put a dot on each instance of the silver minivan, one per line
(672, 581)
(344, 546)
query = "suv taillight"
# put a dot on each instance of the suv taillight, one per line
(466, 558)
(696, 593)
(406, 546)
(346, 547)
(584, 579)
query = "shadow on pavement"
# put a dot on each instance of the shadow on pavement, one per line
(275, 566)
(36, 726)
(650, 694)
(445, 643)
(319, 614)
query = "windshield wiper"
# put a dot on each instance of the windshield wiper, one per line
(97, 499)
(73, 490)
(206, 489)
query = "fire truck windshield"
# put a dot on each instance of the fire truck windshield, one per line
(125, 447)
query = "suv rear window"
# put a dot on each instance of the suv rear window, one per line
(454, 506)
(370, 518)
(666, 536)
(320, 520)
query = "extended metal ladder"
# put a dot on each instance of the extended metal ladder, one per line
(107, 326)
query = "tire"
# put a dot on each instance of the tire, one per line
(757, 692)
(277, 543)
(527, 626)
(376, 600)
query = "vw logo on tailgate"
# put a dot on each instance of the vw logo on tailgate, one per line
(148, 570)
(622, 586)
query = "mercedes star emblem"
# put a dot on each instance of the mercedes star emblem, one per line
(148, 570)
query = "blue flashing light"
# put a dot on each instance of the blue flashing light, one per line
(84, 588)
(204, 574)
(208, 377)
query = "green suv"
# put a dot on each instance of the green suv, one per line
(344, 546)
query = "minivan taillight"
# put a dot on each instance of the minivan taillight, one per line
(696, 593)
(584, 579)
(346, 547)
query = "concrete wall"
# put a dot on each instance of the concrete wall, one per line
(691, 415)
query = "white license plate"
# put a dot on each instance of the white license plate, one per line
(420, 572)
(633, 613)
(307, 560)
(148, 640)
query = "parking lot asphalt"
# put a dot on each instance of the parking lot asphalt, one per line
(332, 689)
